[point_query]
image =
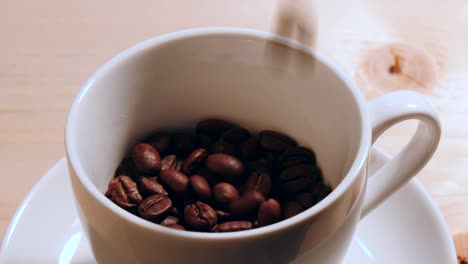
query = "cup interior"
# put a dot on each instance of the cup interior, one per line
(256, 80)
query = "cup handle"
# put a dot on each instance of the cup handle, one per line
(386, 111)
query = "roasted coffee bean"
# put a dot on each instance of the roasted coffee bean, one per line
(169, 162)
(275, 142)
(269, 212)
(146, 159)
(291, 209)
(150, 186)
(298, 178)
(225, 165)
(203, 141)
(160, 141)
(320, 191)
(234, 226)
(210, 177)
(169, 220)
(194, 160)
(183, 144)
(200, 186)
(247, 204)
(200, 216)
(225, 193)
(259, 181)
(305, 199)
(155, 207)
(175, 180)
(223, 147)
(212, 127)
(127, 168)
(176, 226)
(296, 156)
(250, 149)
(223, 216)
(175, 212)
(235, 134)
(123, 191)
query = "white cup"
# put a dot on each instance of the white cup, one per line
(260, 81)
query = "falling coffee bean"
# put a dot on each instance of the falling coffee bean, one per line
(146, 159)
(155, 207)
(200, 216)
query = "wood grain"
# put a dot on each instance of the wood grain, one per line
(49, 48)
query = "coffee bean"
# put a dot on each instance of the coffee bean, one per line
(235, 134)
(269, 213)
(223, 147)
(320, 191)
(298, 178)
(200, 186)
(200, 216)
(160, 141)
(127, 168)
(223, 216)
(247, 204)
(305, 199)
(123, 191)
(259, 181)
(234, 226)
(194, 160)
(225, 193)
(296, 156)
(150, 186)
(176, 226)
(225, 165)
(169, 220)
(155, 207)
(275, 142)
(175, 180)
(291, 209)
(250, 149)
(212, 127)
(146, 159)
(169, 162)
(210, 177)
(203, 141)
(183, 144)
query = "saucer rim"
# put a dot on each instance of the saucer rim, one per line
(415, 184)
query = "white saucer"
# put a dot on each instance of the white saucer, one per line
(407, 228)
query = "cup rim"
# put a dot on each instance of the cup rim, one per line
(357, 165)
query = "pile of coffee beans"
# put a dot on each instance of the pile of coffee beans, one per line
(222, 178)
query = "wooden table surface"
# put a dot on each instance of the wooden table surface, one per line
(49, 48)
